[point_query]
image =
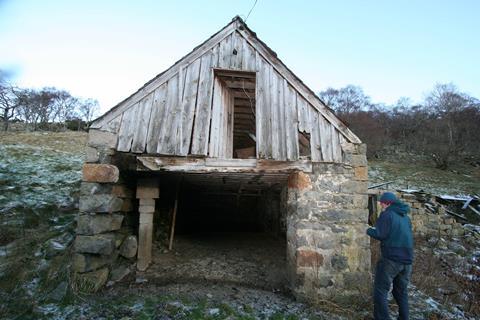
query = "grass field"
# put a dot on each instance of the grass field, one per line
(463, 179)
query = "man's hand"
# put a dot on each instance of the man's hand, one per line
(370, 228)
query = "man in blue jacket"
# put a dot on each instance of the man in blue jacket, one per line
(394, 229)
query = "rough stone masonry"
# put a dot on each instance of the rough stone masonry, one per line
(328, 252)
(104, 202)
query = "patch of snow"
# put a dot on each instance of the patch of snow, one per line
(454, 198)
(140, 280)
(137, 307)
(410, 190)
(472, 227)
(214, 311)
(432, 303)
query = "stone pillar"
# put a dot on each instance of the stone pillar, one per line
(147, 192)
(328, 252)
(101, 214)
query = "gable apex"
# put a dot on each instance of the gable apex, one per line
(237, 30)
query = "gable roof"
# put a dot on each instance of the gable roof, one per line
(238, 25)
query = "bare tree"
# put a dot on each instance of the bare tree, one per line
(65, 107)
(444, 127)
(346, 100)
(8, 101)
(88, 109)
(446, 104)
(36, 106)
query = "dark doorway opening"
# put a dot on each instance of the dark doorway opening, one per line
(241, 88)
(230, 228)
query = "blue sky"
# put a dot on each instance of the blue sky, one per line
(108, 49)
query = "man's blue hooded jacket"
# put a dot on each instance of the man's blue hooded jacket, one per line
(394, 229)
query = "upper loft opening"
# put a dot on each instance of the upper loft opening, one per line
(241, 122)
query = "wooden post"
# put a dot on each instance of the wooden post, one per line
(174, 218)
(147, 192)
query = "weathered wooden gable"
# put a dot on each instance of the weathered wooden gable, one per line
(184, 112)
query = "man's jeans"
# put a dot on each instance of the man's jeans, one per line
(386, 273)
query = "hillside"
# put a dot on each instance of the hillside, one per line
(460, 179)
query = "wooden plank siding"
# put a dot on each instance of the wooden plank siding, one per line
(203, 113)
(127, 129)
(189, 102)
(189, 111)
(141, 122)
(158, 113)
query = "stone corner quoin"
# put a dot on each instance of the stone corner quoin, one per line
(101, 173)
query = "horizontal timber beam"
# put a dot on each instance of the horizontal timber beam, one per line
(207, 165)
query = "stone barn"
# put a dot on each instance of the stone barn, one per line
(226, 141)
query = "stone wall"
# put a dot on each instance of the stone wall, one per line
(328, 251)
(105, 201)
(427, 221)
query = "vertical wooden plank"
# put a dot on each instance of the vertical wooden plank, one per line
(315, 143)
(173, 145)
(156, 118)
(275, 115)
(125, 134)
(282, 133)
(287, 106)
(303, 124)
(336, 148)
(294, 127)
(230, 125)
(248, 57)
(113, 125)
(343, 144)
(226, 125)
(188, 106)
(216, 119)
(291, 122)
(216, 57)
(263, 119)
(237, 51)
(167, 133)
(267, 71)
(225, 53)
(342, 139)
(142, 120)
(225, 135)
(204, 106)
(223, 123)
(325, 139)
(260, 106)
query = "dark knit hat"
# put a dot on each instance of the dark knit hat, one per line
(388, 197)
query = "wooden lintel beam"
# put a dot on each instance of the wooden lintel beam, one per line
(236, 74)
(240, 84)
(210, 165)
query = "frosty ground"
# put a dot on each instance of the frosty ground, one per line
(39, 182)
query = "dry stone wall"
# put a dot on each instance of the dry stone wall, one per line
(327, 249)
(424, 221)
(105, 201)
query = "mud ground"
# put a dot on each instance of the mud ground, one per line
(256, 260)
